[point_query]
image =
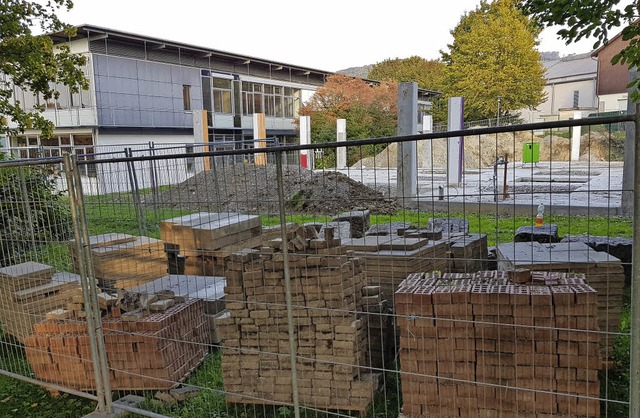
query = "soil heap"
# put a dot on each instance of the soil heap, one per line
(251, 188)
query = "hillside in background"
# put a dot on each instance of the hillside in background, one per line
(363, 71)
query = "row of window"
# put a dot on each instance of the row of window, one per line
(219, 97)
(66, 99)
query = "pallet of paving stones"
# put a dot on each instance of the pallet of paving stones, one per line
(28, 291)
(147, 348)
(498, 344)
(202, 237)
(389, 259)
(122, 261)
(210, 289)
(602, 271)
(330, 327)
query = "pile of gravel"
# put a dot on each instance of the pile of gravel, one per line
(251, 188)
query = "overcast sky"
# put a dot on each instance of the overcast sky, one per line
(327, 35)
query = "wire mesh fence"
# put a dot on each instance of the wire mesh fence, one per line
(264, 288)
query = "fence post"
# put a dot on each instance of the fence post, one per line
(135, 192)
(87, 282)
(287, 286)
(634, 389)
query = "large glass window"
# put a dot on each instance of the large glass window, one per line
(280, 101)
(252, 96)
(186, 97)
(222, 102)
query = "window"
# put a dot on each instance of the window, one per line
(186, 97)
(252, 98)
(222, 95)
(576, 99)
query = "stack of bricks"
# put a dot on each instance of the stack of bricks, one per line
(482, 345)
(330, 333)
(602, 271)
(28, 291)
(154, 352)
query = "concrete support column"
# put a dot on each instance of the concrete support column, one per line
(576, 132)
(259, 133)
(306, 156)
(407, 168)
(427, 128)
(341, 136)
(455, 145)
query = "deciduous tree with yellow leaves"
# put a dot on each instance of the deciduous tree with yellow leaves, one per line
(494, 58)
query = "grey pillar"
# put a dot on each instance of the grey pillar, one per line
(407, 169)
(341, 152)
(455, 148)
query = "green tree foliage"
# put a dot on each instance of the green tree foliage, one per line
(427, 73)
(494, 56)
(593, 18)
(370, 112)
(32, 62)
(32, 213)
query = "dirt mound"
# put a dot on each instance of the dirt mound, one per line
(253, 188)
(481, 151)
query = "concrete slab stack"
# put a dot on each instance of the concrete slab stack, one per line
(484, 346)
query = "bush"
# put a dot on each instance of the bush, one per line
(32, 212)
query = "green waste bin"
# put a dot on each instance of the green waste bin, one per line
(531, 152)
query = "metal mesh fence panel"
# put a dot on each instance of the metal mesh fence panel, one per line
(232, 282)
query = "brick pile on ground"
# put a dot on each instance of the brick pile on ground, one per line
(467, 252)
(482, 345)
(28, 291)
(150, 348)
(121, 261)
(330, 331)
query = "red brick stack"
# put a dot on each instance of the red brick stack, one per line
(330, 330)
(484, 346)
(154, 352)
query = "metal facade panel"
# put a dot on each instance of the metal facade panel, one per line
(136, 93)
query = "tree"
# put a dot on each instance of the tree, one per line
(32, 63)
(494, 58)
(427, 73)
(592, 18)
(370, 112)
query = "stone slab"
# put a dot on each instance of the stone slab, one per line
(546, 233)
(359, 220)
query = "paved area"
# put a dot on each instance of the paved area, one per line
(555, 184)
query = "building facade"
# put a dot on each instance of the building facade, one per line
(612, 78)
(570, 87)
(144, 90)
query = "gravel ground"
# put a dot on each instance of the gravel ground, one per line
(251, 188)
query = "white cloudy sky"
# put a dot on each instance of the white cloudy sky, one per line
(329, 35)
